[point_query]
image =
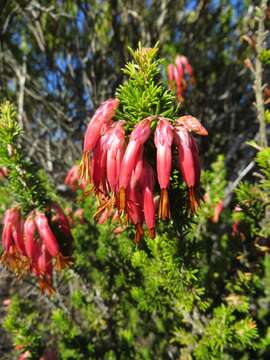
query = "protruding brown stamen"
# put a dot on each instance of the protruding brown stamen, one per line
(193, 199)
(46, 285)
(139, 233)
(152, 233)
(62, 262)
(164, 210)
(84, 170)
(122, 199)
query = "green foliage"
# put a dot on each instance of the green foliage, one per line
(222, 331)
(22, 318)
(265, 56)
(24, 184)
(267, 116)
(142, 95)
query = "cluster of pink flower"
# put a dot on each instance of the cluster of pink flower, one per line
(176, 76)
(123, 176)
(31, 245)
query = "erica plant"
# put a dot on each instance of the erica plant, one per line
(133, 145)
(34, 226)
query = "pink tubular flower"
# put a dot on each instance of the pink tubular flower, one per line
(171, 74)
(46, 234)
(72, 177)
(102, 116)
(138, 137)
(188, 159)
(12, 241)
(217, 211)
(17, 233)
(179, 66)
(137, 172)
(134, 210)
(45, 269)
(163, 140)
(99, 164)
(115, 153)
(61, 220)
(32, 246)
(192, 124)
(188, 67)
(178, 84)
(49, 239)
(7, 240)
(148, 199)
(99, 122)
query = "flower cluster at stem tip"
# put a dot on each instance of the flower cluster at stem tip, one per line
(30, 245)
(180, 74)
(129, 165)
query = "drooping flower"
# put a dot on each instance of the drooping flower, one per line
(138, 137)
(179, 85)
(148, 199)
(48, 238)
(180, 75)
(186, 64)
(217, 211)
(32, 242)
(189, 164)
(96, 127)
(163, 140)
(14, 256)
(115, 153)
(170, 70)
(103, 116)
(61, 220)
(45, 270)
(134, 209)
(179, 66)
(72, 178)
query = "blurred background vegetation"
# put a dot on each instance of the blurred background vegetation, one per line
(206, 296)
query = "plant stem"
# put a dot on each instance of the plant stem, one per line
(258, 74)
